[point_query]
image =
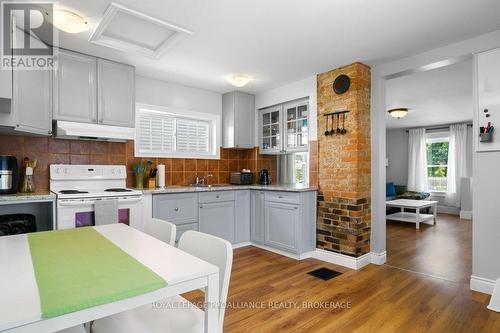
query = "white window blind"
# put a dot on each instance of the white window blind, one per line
(192, 136)
(162, 134)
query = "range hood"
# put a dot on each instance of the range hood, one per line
(85, 131)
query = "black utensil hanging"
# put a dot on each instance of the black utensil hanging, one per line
(332, 130)
(338, 124)
(344, 131)
(327, 131)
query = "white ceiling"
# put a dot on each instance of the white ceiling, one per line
(280, 41)
(439, 96)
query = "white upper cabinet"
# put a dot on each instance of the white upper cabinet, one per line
(92, 90)
(31, 105)
(32, 101)
(284, 128)
(75, 87)
(116, 93)
(238, 109)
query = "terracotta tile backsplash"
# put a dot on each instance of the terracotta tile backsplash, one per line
(178, 171)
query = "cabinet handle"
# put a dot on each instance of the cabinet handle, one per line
(280, 197)
(201, 206)
(217, 196)
(176, 209)
(295, 207)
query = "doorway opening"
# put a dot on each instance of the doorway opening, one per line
(429, 171)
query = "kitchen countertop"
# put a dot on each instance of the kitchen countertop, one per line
(36, 196)
(229, 187)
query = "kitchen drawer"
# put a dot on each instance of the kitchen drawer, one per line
(183, 228)
(176, 208)
(216, 196)
(284, 197)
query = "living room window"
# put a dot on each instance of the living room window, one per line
(437, 161)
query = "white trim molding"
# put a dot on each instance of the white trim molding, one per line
(466, 214)
(342, 259)
(482, 285)
(378, 258)
(242, 244)
(302, 256)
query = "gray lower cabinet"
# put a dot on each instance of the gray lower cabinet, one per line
(183, 228)
(276, 219)
(242, 225)
(218, 219)
(281, 222)
(257, 217)
(177, 208)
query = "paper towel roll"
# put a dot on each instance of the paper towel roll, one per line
(160, 176)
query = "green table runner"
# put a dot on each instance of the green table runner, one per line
(80, 268)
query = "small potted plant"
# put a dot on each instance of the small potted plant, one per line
(139, 170)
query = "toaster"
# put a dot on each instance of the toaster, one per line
(241, 178)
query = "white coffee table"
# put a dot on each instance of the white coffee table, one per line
(416, 217)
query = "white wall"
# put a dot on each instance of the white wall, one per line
(289, 92)
(174, 95)
(486, 229)
(397, 153)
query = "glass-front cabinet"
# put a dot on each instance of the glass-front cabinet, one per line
(284, 128)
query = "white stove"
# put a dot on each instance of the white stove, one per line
(79, 186)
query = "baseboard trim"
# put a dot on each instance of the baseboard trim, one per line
(342, 259)
(466, 214)
(242, 244)
(448, 210)
(283, 253)
(482, 285)
(378, 258)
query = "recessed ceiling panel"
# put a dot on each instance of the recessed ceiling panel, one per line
(128, 30)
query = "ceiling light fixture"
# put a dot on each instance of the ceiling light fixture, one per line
(398, 113)
(69, 22)
(238, 80)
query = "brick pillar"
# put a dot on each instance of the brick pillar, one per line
(344, 220)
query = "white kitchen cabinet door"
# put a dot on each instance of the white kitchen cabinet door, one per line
(257, 217)
(270, 130)
(296, 126)
(281, 223)
(75, 87)
(116, 93)
(32, 101)
(218, 219)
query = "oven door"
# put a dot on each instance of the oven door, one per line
(75, 213)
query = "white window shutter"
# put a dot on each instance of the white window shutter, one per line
(167, 134)
(192, 136)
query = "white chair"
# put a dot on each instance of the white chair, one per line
(176, 314)
(161, 230)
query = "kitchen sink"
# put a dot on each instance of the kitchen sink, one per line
(209, 185)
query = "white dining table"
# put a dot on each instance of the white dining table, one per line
(20, 309)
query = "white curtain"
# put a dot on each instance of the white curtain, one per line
(417, 160)
(457, 163)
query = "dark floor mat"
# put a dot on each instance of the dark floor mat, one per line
(324, 273)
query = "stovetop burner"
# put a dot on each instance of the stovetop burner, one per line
(72, 192)
(117, 190)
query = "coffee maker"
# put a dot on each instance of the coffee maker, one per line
(265, 179)
(9, 175)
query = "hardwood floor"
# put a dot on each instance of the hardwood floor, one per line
(373, 299)
(443, 250)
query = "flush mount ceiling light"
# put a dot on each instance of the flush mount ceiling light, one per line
(238, 80)
(69, 22)
(398, 113)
